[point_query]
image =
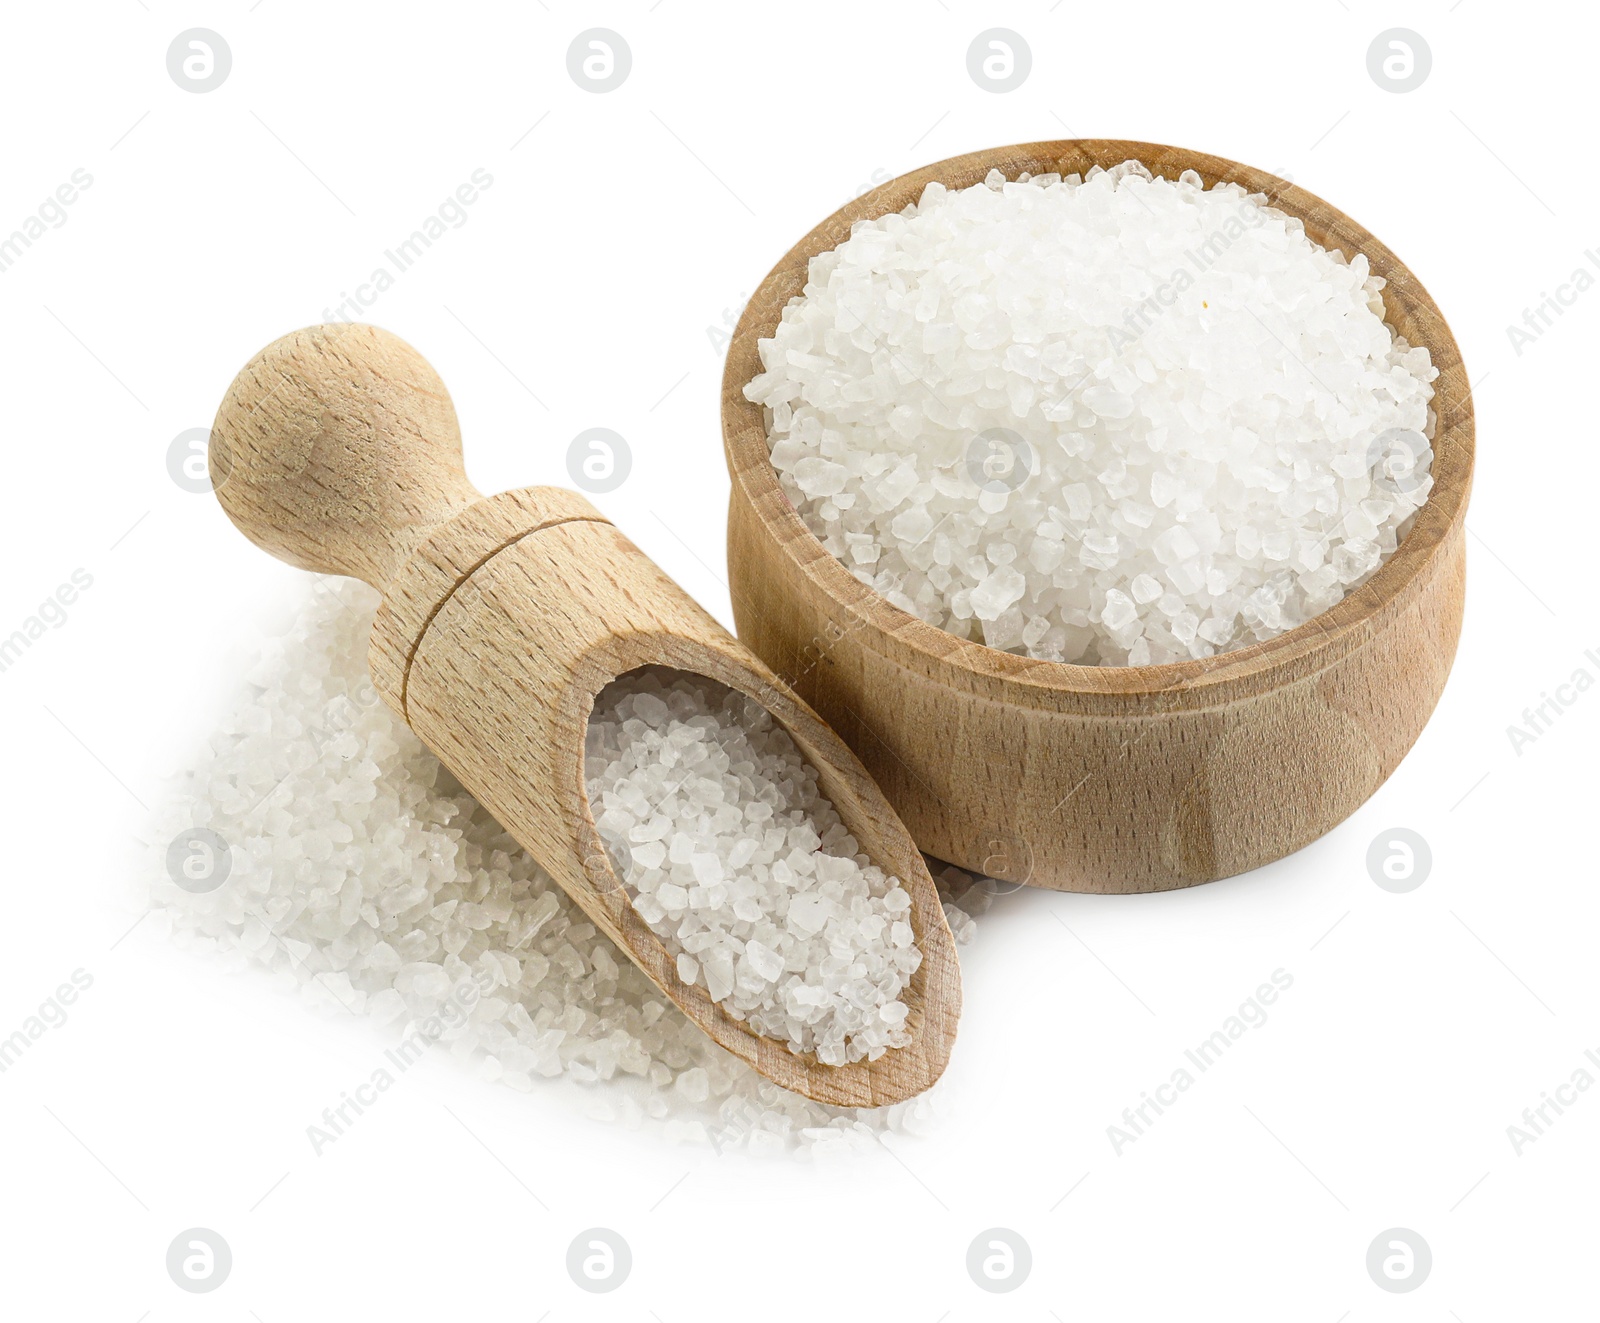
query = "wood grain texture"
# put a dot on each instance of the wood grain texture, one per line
(1107, 779)
(502, 619)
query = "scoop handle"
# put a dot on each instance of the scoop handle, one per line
(336, 448)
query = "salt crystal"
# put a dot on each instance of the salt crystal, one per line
(996, 592)
(719, 975)
(694, 1085)
(764, 960)
(808, 912)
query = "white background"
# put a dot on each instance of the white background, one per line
(619, 232)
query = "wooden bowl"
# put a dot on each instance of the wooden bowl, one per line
(1107, 778)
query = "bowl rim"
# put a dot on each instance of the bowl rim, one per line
(919, 646)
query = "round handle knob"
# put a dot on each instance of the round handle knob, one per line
(336, 449)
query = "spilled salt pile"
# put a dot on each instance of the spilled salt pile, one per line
(361, 874)
(1116, 420)
(733, 857)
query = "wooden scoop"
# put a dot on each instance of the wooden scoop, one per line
(337, 449)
